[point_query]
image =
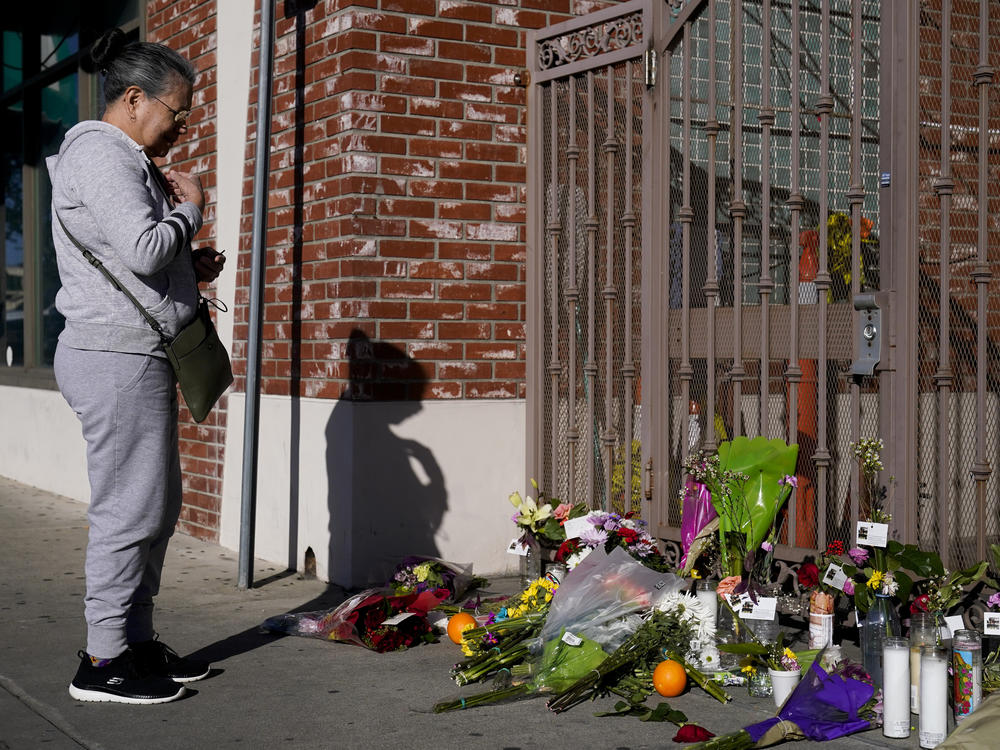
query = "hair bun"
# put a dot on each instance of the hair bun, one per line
(107, 48)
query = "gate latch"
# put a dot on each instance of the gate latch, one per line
(868, 331)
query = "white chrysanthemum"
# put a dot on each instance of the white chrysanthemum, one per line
(694, 611)
(577, 557)
(708, 656)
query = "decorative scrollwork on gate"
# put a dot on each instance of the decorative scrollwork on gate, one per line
(613, 35)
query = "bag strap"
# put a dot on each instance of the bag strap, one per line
(96, 263)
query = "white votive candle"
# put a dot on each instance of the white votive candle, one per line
(896, 687)
(933, 696)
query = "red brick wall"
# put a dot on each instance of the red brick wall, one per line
(188, 26)
(397, 194)
(397, 200)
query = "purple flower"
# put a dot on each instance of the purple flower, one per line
(789, 480)
(849, 587)
(594, 537)
(858, 555)
(994, 600)
(612, 523)
(766, 546)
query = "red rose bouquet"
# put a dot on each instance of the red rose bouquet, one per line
(376, 619)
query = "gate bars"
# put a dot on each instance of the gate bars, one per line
(688, 160)
(957, 406)
(586, 182)
(772, 124)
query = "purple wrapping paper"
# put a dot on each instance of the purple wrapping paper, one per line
(823, 707)
(696, 511)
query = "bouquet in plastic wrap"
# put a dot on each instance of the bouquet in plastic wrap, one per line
(602, 622)
(377, 619)
(603, 597)
(417, 573)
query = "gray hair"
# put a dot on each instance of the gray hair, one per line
(152, 67)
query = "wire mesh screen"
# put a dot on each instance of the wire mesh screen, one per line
(756, 205)
(592, 175)
(958, 200)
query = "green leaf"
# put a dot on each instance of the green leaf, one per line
(553, 531)
(971, 574)
(663, 712)
(905, 584)
(748, 649)
(917, 561)
(623, 709)
(764, 462)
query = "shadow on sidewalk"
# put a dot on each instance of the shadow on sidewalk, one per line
(255, 637)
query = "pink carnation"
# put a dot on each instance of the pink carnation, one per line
(561, 513)
(858, 555)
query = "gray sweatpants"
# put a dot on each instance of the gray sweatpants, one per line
(127, 405)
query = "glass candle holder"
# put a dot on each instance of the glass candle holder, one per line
(967, 671)
(923, 632)
(759, 683)
(820, 619)
(704, 589)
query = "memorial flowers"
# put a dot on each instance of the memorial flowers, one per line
(748, 480)
(377, 619)
(607, 531)
(417, 573)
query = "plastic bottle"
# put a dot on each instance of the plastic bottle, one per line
(880, 622)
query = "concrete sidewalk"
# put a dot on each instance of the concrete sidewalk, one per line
(265, 691)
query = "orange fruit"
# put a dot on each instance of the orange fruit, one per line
(669, 678)
(458, 623)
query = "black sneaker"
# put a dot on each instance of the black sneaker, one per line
(157, 658)
(121, 682)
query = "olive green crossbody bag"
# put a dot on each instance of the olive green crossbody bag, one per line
(197, 356)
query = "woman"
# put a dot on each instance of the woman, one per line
(108, 197)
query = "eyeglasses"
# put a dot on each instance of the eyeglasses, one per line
(180, 116)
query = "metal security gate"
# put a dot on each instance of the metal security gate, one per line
(952, 315)
(588, 176)
(711, 185)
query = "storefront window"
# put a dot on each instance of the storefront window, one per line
(45, 93)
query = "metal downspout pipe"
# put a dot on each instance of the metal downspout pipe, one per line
(248, 499)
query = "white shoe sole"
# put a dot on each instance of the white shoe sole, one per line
(192, 679)
(99, 696)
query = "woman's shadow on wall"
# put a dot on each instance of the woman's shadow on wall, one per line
(386, 493)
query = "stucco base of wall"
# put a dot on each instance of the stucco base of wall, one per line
(41, 443)
(365, 484)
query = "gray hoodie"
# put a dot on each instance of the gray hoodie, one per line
(104, 191)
